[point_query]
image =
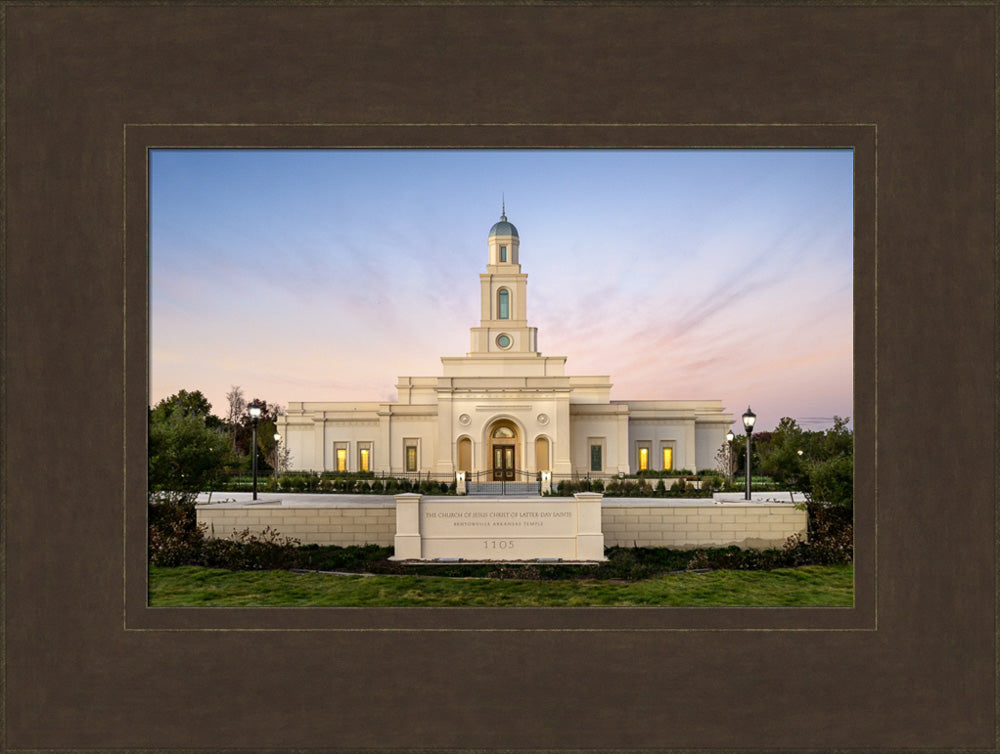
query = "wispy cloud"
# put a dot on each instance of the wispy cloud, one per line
(672, 272)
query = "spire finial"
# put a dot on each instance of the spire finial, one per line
(503, 207)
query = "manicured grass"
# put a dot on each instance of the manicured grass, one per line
(192, 586)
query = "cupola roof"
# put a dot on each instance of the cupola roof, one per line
(503, 228)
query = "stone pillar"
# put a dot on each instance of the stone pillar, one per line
(407, 543)
(383, 451)
(319, 443)
(560, 438)
(590, 537)
(444, 465)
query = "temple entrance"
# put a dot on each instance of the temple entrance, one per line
(503, 450)
(503, 463)
(501, 475)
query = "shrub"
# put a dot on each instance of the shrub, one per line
(334, 558)
(175, 537)
(597, 485)
(832, 481)
(376, 487)
(244, 551)
(831, 537)
(711, 481)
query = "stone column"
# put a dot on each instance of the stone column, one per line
(407, 542)
(590, 537)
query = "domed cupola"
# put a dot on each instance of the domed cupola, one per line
(503, 228)
(503, 240)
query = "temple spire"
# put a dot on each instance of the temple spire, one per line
(503, 207)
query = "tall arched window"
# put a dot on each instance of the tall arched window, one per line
(465, 454)
(503, 304)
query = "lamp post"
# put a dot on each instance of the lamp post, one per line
(748, 419)
(254, 418)
(729, 464)
(277, 450)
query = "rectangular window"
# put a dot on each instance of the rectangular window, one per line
(503, 253)
(341, 459)
(668, 459)
(365, 460)
(643, 459)
(596, 463)
(411, 457)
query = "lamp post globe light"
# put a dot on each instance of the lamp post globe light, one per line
(729, 470)
(748, 419)
(254, 418)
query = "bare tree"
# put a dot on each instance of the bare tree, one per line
(237, 407)
(281, 457)
(724, 460)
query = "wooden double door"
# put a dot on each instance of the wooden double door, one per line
(503, 463)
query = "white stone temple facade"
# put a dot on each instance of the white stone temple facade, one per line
(504, 409)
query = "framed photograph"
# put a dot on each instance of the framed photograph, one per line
(95, 95)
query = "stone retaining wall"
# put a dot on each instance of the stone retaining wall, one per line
(321, 525)
(757, 526)
(625, 523)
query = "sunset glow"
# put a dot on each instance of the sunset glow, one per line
(315, 275)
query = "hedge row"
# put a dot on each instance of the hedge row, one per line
(331, 482)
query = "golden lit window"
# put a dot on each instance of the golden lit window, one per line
(366, 459)
(341, 459)
(411, 457)
(668, 459)
(643, 459)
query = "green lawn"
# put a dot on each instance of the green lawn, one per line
(807, 586)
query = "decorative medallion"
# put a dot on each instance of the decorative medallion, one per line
(543, 418)
(464, 420)
(504, 341)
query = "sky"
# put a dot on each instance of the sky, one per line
(324, 275)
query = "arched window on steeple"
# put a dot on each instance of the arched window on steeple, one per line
(503, 304)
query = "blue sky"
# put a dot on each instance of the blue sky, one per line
(326, 274)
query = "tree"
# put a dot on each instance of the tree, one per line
(832, 481)
(237, 408)
(189, 403)
(780, 456)
(280, 458)
(242, 432)
(187, 450)
(724, 461)
(831, 465)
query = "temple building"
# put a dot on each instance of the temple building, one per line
(504, 410)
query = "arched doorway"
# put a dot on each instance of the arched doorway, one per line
(503, 439)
